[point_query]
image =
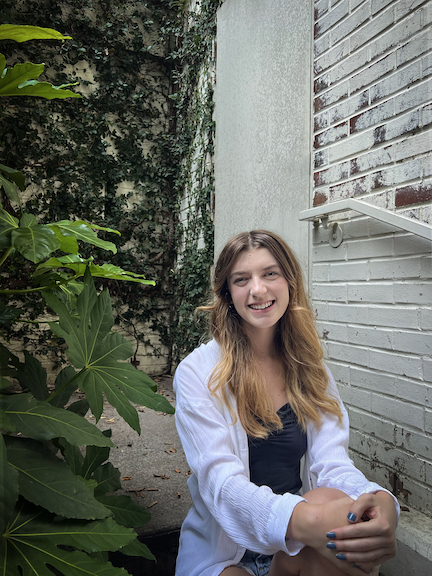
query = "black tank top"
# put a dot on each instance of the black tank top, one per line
(275, 461)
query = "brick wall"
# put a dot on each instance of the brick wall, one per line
(372, 295)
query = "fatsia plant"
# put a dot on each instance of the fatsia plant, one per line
(59, 513)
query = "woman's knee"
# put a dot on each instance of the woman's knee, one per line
(323, 495)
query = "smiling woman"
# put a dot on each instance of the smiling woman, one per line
(251, 406)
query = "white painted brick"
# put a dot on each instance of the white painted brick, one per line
(373, 73)
(333, 331)
(350, 354)
(413, 441)
(348, 271)
(415, 392)
(420, 343)
(402, 412)
(393, 363)
(414, 48)
(373, 116)
(397, 34)
(377, 5)
(372, 29)
(401, 79)
(370, 160)
(353, 314)
(356, 397)
(329, 292)
(427, 14)
(373, 425)
(427, 369)
(332, 135)
(351, 23)
(331, 96)
(413, 146)
(360, 443)
(321, 8)
(352, 146)
(426, 163)
(393, 316)
(388, 269)
(413, 97)
(320, 310)
(321, 272)
(340, 372)
(321, 121)
(321, 44)
(321, 158)
(333, 174)
(349, 106)
(373, 337)
(351, 188)
(355, 3)
(371, 293)
(374, 381)
(426, 319)
(406, 244)
(331, 57)
(428, 421)
(412, 293)
(349, 65)
(373, 247)
(404, 8)
(325, 252)
(357, 228)
(426, 65)
(331, 18)
(398, 126)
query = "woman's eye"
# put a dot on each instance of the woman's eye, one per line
(271, 274)
(240, 280)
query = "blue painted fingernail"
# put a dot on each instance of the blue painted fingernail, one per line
(331, 545)
(341, 556)
(352, 517)
(331, 535)
(356, 566)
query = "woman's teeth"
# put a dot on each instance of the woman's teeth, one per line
(261, 306)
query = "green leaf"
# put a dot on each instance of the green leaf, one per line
(8, 223)
(83, 231)
(9, 364)
(41, 421)
(22, 33)
(32, 376)
(66, 384)
(117, 273)
(8, 487)
(8, 314)
(21, 81)
(98, 353)
(35, 243)
(125, 511)
(72, 455)
(137, 548)
(10, 189)
(95, 457)
(48, 481)
(15, 175)
(107, 478)
(28, 220)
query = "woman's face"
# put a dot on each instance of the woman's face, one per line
(258, 289)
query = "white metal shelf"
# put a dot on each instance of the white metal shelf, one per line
(322, 212)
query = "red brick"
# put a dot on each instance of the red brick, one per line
(331, 135)
(319, 198)
(414, 194)
(354, 187)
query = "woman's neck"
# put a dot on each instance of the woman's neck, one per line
(263, 343)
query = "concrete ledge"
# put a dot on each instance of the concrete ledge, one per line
(414, 557)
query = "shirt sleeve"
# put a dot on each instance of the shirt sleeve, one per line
(253, 517)
(329, 462)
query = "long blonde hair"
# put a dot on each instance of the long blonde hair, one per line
(297, 343)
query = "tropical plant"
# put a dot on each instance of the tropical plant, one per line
(58, 510)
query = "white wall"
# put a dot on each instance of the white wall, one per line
(262, 165)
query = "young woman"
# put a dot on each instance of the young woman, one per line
(261, 422)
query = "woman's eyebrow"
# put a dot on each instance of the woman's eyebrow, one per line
(240, 273)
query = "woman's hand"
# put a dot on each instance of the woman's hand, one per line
(370, 539)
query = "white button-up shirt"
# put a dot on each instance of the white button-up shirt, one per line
(229, 513)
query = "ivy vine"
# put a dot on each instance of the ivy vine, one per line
(135, 153)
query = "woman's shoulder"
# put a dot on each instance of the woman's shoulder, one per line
(203, 354)
(198, 365)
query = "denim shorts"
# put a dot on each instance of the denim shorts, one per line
(255, 564)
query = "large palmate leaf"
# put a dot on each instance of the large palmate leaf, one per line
(41, 421)
(125, 511)
(8, 223)
(98, 354)
(35, 242)
(84, 231)
(32, 376)
(65, 386)
(10, 189)
(48, 481)
(8, 487)
(9, 365)
(16, 175)
(22, 33)
(79, 266)
(21, 80)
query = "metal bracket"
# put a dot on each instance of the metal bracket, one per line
(335, 231)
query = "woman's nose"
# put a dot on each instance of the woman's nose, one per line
(257, 287)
